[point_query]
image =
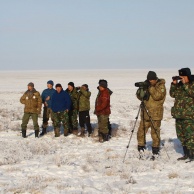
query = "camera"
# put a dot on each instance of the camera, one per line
(144, 84)
(176, 78)
(77, 88)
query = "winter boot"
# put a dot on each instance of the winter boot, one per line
(141, 148)
(101, 140)
(57, 132)
(105, 136)
(155, 152)
(191, 156)
(24, 133)
(89, 131)
(36, 133)
(66, 132)
(43, 132)
(75, 131)
(186, 154)
(82, 132)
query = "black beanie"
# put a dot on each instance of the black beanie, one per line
(185, 72)
(71, 84)
(103, 83)
(58, 85)
(151, 75)
(85, 85)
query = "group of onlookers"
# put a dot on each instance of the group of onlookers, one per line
(65, 106)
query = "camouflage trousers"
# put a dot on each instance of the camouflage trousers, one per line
(47, 112)
(141, 133)
(26, 119)
(103, 124)
(73, 121)
(58, 118)
(185, 132)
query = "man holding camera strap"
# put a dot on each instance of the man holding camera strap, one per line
(183, 110)
(153, 101)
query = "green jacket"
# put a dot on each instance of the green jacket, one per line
(84, 100)
(184, 100)
(32, 101)
(156, 100)
(74, 98)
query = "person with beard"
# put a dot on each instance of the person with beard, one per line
(33, 103)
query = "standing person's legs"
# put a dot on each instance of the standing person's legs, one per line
(64, 117)
(82, 117)
(25, 121)
(56, 123)
(75, 121)
(88, 124)
(155, 133)
(141, 134)
(103, 127)
(35, 123)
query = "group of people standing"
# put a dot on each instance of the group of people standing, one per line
(65, 106)
(182, 90)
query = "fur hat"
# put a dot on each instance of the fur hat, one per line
(31, 84)
(71, 84)
(151, 75)
(50, 82)
(185, 72)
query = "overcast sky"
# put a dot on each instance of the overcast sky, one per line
(95, 34)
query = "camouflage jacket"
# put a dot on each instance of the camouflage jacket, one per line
(32, 101)
(156, 100)
(74, 98)
(83, 100)
(184, 100)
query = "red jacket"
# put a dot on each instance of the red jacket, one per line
(103, 103)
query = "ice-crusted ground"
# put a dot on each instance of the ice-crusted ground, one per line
(75, 165)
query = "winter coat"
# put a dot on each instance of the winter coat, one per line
(154, 104)
(184, 100)
(47, 92)
(103, 103)
(74, 98)
(32, 101)
(60, 101)
(83, 100)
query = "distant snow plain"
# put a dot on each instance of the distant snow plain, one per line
(76, 165)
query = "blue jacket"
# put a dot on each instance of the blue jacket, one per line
(60, 101)
(45, 94)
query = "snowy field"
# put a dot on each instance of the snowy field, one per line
(73, 165)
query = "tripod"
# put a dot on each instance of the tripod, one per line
(143, 109)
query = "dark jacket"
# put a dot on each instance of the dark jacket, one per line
(60, 101)
(32, 101)
(47, 92)
(103, 103)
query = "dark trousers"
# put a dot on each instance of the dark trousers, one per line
(84, 119)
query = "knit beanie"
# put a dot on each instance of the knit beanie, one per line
(50, 82)
(58, 85)
(85, 85)
(71, 84)
(151, 75)
(103, 83)
(31, 84)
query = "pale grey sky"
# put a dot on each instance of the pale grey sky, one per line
(74, 34)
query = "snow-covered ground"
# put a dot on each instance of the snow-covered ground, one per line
(75, 165)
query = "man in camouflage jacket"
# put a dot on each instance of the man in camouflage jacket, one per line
(183, 110)
(33, 103)
(73, 112)
(154, 105)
